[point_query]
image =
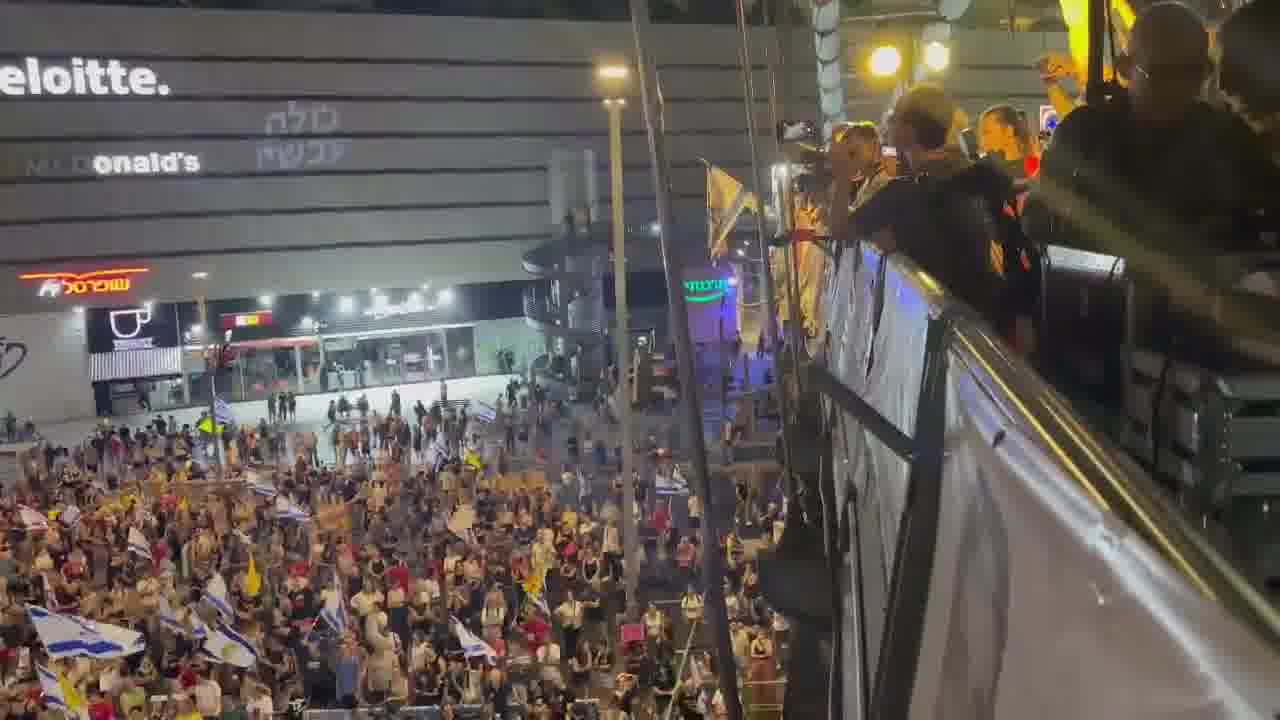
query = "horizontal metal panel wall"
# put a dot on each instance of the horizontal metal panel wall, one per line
(135, 364)
(315, 131)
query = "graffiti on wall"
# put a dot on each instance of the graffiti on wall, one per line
(293, 145)
(12, 355)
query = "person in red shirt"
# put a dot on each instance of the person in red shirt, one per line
(101, 708)
(398, 574)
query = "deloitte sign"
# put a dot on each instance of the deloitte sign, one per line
(80, 76)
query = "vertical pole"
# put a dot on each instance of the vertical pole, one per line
(724, 369)
(297, 364)
(211, 363)
(712, 558)
(780, 380)
(622, 342)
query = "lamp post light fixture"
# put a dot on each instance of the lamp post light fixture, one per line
(614, 81)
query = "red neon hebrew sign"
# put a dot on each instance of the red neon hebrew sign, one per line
(98, 282)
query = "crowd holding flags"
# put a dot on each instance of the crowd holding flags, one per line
(138, 544)
(215, 595)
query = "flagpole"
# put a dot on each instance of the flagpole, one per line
(712, 561)
(749, 102)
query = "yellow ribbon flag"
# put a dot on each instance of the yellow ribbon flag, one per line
(252, 580)
(534, 583)
(727, 199)
(73, 698)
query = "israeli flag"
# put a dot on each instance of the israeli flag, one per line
(286, 509)
(226, 645)
(215, 593)
(138, 544)
(222, 412)
(334, 612)
(53, 696)
(70, 636)
(473, 646)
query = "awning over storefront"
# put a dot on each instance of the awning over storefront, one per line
(131, 364)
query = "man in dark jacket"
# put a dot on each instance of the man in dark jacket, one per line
(936, 213)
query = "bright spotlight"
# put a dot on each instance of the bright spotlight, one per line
(445, 296)
(937, 56)
(742, 253)
(415, 298)
(307, 322)
(149, 304)
(200, 275)
(655, 228)
(885, 62)
(346, 304)
(613, 72)
(266, 300)
(315, 294)
(197, 329)
(733, 281)
(78, 309)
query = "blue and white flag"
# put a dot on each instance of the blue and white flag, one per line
(215, 593)
(287, 509)
(226, 645)
(263, 488)
(222, 412)
(53, 696)
(334, 612)
(473, 646)
(71, 636)
(138, 544)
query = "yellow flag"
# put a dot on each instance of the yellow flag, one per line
(726, 201)
(74, 699)
(252, 580)
(537, 578)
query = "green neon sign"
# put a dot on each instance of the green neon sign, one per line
(705, 291)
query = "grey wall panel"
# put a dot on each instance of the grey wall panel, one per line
(319, 79)
(47, 159)
(167, 118)
(151, 237)
(188, 195)
(182, 33)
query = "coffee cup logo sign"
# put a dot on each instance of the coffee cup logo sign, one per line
(127, 326)
(81, 76)
(98, 282)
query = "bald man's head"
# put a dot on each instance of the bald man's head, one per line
(1167, 63)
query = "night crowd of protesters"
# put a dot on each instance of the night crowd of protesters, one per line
(433, 559)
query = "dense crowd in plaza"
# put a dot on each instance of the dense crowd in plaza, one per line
(435, 560)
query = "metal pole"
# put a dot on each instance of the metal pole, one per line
(780, 381)
(622, 335)
(712, 560)
(724, 369)
(211, 363)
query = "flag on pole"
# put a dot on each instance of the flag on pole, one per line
(222, 412)
(138, 544)
(472, 646)
(252, 579)
(70, 636)
(215, 593)
(726, 200)
(168, 618)
(227, 646)
(334, 612)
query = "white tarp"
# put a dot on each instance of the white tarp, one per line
(1044, 605)
(893, 389)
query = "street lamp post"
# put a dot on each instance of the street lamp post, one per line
(614, 79)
